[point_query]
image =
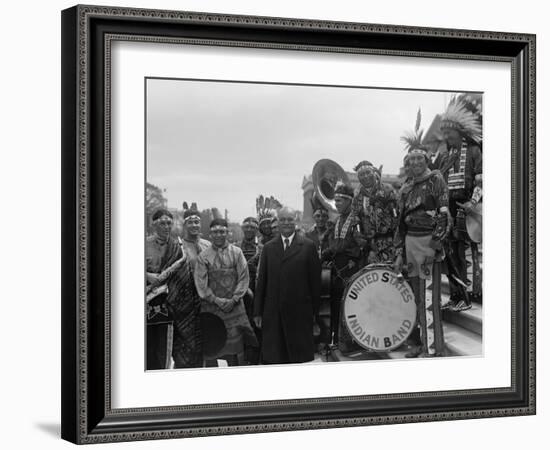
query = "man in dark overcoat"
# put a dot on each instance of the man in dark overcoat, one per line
(287, 294)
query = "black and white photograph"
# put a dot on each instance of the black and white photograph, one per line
(310, 224)
(275, 221)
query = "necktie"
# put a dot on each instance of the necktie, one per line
(287, 244)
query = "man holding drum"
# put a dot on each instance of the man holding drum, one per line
(423, 224)
(221, 278)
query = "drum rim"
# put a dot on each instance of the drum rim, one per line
(360, 272)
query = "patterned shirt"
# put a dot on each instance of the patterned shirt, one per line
(214, 258)
(420, 202)
(461, 168)
(377, 209)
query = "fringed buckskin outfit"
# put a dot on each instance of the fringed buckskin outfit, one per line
(419, 236)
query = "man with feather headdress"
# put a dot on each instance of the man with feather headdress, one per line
(461, 128)
(422, 227)
(193, 243)
(375, 204)
(266, 208)
(252, 249)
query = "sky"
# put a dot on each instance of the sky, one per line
(221, 144)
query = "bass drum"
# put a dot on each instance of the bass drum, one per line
(214, 334)
(379, 309)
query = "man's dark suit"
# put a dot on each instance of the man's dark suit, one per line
(287, 296)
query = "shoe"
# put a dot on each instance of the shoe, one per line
(449, 305)
(461, 306)
(414, 353)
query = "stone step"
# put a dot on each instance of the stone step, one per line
(335, 355)
(471, 319)
(461, 342)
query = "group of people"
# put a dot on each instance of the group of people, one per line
(266, 289)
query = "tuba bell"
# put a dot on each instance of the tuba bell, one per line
(325, 174)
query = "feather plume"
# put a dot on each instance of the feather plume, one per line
(413, 139)
(466, 121)
(266, 207)
(418, 120)
(185, 206)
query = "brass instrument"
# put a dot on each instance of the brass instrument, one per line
(325, 174)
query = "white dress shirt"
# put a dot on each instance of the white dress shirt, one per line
(290, 238)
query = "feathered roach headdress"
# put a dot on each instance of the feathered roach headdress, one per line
(266, 208)
(459, 117)
(368, 164)
(192, 211)
(413, 139)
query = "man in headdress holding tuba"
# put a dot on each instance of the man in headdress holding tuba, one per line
(344, 250)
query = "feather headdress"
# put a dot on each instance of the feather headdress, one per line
(459, 117)
(192, 211)
(413, 139)
(369, 165)
(267, 207)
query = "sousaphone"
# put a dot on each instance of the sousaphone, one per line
(325, 174)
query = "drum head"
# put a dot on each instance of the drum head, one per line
(379, 309)
(214, 334)
(474, 224)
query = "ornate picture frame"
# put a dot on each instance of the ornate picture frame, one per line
(88, 33)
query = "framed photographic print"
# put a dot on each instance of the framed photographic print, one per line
(256, 207)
